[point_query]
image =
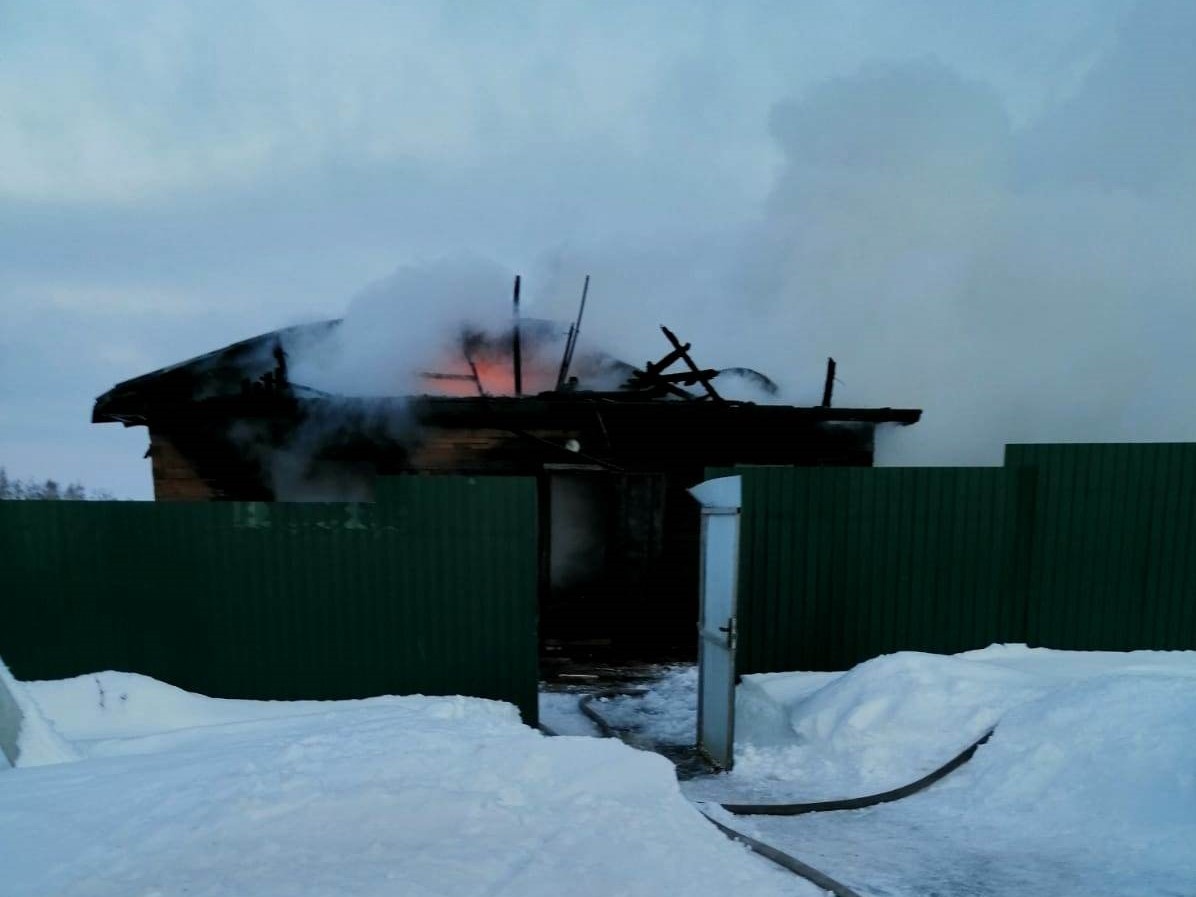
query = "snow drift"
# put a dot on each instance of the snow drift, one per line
(412, 796)
(892, 719)
(1087, 787)
(26, 737)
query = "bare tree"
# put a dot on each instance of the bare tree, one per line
(50, 490)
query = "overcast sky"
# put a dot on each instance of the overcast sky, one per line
(983, 209)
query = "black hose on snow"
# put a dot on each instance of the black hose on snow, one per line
(785, 860)
(782, 859)
(595, 717)
(858, 803)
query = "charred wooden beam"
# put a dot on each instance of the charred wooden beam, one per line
(563, 373)
(688, 378)
(655, 367)
(571, 340)
(684, 378)
(518, 347)
(477, 378)
(684, 350)
(829, 388)
(647, 384)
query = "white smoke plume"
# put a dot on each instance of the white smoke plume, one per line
(405, 324)
(1020, 282)
(1023, 285)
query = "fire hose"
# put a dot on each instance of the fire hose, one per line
(870, 800)
(785, 860)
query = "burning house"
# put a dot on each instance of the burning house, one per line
(612, 446)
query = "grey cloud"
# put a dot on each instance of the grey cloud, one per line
(261, 162)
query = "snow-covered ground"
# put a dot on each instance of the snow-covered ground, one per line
(179, 794)
(1088, 785)
(1087, 788)
(26, 736)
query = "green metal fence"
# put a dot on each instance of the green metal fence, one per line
(841, 564)
(1113, 545)
(431, 590)
(1068, 546)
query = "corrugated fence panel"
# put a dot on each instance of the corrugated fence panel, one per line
(842, 564)
(431, 590)
(1086, 547)
(1114, 537)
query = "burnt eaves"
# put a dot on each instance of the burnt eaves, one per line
(557, 408)
(221, 373)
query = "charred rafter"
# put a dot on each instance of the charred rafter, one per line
(654, 380)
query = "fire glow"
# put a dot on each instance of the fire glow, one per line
(490, 374)
(488, 365)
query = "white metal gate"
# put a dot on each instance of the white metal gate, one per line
(720, 501)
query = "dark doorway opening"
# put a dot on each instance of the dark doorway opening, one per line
(619, 567)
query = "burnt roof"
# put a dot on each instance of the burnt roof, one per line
(215, 383)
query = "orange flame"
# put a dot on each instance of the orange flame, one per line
(496, 373)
